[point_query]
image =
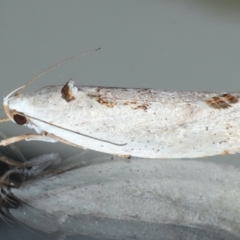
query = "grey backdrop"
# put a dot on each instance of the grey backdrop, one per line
(168, 44)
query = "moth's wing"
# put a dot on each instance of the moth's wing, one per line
(141, 100)
(219, 106)
(122, 104)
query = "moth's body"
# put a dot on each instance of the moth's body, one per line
(134, 122)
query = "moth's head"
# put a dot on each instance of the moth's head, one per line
(43, 105)
(11, 107)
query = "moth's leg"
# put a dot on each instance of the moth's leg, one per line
(45, 137)
(15, 149)
(10, 161)
(6, 119)
(27, 137)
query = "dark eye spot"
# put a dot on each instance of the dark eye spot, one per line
(19, 119)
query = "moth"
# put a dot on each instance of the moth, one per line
(147, 123)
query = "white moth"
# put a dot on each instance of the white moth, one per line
(130, 122)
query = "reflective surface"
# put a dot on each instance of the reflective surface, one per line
(111, 198)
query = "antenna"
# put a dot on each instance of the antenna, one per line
(53, 66)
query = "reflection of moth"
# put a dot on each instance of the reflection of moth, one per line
(14, 173)
(108, 198)
(129, 122)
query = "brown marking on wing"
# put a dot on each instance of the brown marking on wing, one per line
(222, 101)
(145, 91)
(101, 98)
(129, 103)
(98, 89)
(135, 105)
(143, 106)
(226, 152)
(67, 93)
(229, 98)
(104, 102)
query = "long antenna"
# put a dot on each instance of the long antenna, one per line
(53, 66)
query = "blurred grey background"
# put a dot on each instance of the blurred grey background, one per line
(168, 44)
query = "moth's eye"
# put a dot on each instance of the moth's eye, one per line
(19, 119)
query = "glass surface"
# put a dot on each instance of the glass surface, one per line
(100, 196)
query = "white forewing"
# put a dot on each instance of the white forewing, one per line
(137, 122)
